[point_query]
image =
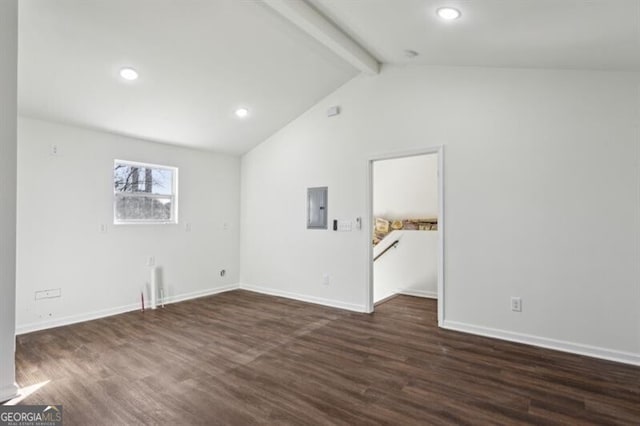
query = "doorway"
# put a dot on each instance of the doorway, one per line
(405, 241)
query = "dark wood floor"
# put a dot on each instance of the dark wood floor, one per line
(241, 358)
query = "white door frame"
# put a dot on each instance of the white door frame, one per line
(439, 150)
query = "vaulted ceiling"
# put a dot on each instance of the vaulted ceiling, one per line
(200, 60)
(565, 34)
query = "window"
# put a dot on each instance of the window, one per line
(144, 193)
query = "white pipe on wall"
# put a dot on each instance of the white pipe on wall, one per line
(153, 289)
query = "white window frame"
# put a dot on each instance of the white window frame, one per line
(173, 196)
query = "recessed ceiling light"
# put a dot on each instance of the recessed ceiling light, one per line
(448, 13)
(128, 74)
(242, 112)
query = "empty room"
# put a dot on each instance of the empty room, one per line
(332, 212)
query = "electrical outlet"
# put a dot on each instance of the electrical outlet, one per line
(326, 279)
(53, 150)
(103, 228)
(187, 227)
(49, 294)
(151, 260)
(516, 304)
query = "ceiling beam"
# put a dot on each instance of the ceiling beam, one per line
(301, 14)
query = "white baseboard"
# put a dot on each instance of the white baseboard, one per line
(72, 319)
(304, 298)
(102, 313)
(384, 299)
(420, 293)
(8, 392)
(201, 293)
(543, 342)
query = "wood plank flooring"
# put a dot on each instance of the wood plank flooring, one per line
(240, 358)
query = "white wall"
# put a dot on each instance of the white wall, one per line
(8, 101)
(406, 188)
(409, 268)
(546, 160)
(63, 200)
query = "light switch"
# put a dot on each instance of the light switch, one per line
(345, 226)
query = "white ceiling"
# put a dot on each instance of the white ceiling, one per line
(201, 59)
(198, 61)
(572, 34)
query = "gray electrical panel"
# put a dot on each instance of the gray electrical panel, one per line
(317, 208)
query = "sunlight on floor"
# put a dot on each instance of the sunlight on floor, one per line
(26, 391)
